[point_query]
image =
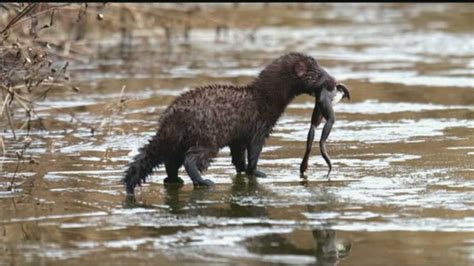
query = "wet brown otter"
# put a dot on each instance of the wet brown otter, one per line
(201, 121)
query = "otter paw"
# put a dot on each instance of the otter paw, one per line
(257, 173)
(260, 174)
(176, 180)
(204, 183)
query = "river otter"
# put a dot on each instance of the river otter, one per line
(201, 121)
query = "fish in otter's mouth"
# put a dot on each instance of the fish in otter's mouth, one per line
(323, 108)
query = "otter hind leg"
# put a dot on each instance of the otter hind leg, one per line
(172, 168)
(197, 159)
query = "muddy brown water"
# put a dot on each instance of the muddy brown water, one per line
(402, 184)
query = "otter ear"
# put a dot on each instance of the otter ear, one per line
(300, 68)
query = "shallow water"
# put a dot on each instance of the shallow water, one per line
(401, 190)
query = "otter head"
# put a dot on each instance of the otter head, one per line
(299, 74)
(313, 78)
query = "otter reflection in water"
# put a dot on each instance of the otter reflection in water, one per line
(221, 209)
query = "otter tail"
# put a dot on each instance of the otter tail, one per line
(142, 165)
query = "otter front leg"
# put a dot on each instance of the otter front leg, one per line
(325, 107)
(197, 159)
(253, 153)
(237, 152)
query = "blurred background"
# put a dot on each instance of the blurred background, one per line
(83, 85)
